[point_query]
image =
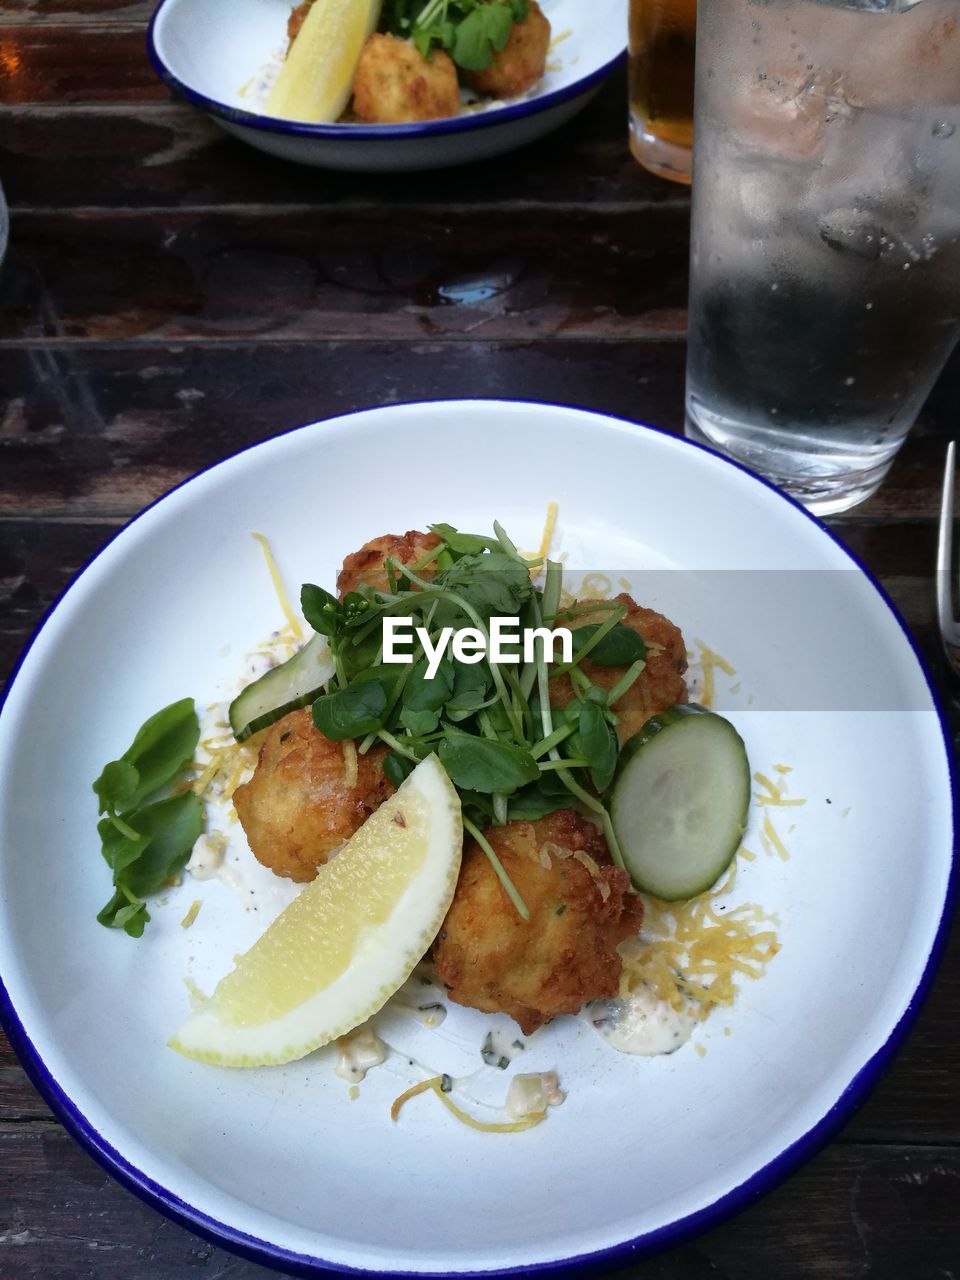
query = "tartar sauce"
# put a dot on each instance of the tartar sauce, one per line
(207, 857)
(642, 1024)
(358, 1052)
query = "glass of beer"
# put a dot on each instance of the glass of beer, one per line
(662, 41)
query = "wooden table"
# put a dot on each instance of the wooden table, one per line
(170, 297)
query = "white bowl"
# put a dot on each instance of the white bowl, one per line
(211, 50)
(278, 1163)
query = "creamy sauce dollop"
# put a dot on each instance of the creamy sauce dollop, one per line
(642, 1024)
(357, 1053)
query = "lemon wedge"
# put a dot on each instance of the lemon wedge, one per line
(352, 937)
(316, 80)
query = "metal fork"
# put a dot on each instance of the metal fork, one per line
(949, 625)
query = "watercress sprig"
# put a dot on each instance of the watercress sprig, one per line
(146, 844)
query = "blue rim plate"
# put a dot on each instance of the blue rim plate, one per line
(321, 441)
(465, 124)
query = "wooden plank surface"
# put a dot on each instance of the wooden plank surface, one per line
(171, 296)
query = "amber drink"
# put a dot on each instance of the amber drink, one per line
(662, 41)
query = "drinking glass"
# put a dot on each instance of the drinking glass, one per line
(825, 252)
(662, 36)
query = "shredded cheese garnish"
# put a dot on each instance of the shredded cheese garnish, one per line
(548, 528)
(564, 35)
(771, 840)
(434, 1084)
(595, 586)
(228, 764)
(692, 953)
(709, 661)
(192, 914)
(773, 794)
(292, 621)
(350, 763)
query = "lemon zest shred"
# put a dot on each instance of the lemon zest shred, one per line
(192, 914)
(350, 763)
(434, 1084)
(564, 35)
(783, 768)
(278, 586)
(744, 852)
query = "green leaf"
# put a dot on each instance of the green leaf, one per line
(618, 648)
(484, 31)
(418, 723)
(356, 659)
(171, 828)
(486, 765)
(537, 800)
(351, 712)
(163, 745)
(117, 786)
(421, 694)
(117, 847)
(464, 544)
(471, 686)
(597, 743)
(397, 767)
(492, 583)
(321, 609)
(121, 913)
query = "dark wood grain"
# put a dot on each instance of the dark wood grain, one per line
(885, 1212)
(157, 153)
(94, 430)
(39, 64)
(323, 274)
(82, 14)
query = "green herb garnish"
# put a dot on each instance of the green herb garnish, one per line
(470, 31)
(510, 754)
(146, 844)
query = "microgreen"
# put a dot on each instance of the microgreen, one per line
(510, 754)
(471, 31)
(145, 845)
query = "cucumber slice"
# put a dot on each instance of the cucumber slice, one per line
(679, 801)
(294, 684)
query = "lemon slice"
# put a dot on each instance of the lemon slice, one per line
(316, 80)
(338, 952)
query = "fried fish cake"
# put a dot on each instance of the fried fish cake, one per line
(522, 60)
(396, 84)
(580, 908)
(660, 684)
(299, 806)
(368, 565)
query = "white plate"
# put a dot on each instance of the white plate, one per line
(213, 51)
(279, 1163)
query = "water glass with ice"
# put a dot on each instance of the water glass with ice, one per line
(825, 253)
